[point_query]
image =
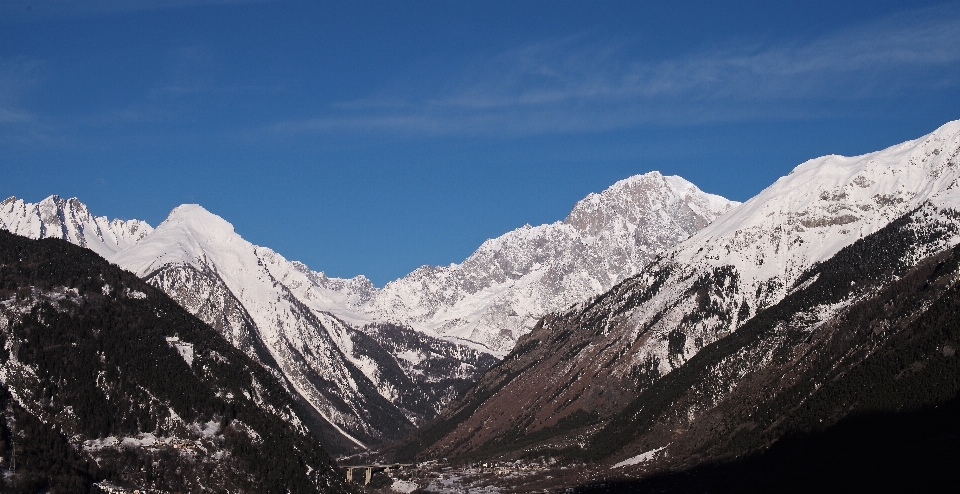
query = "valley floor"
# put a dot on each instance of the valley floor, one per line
(502, 477)
(909, 451)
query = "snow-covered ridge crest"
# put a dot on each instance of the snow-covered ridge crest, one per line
(826, 204)
(487, 301)
(302, 342)
(599, 355)
(306, 325)
(752, 256)
(498, 293)
(69, 219)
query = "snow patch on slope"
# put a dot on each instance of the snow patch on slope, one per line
(641, 458)
(183, 348)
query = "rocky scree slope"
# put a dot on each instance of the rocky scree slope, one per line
(579, 370)
(105, 381)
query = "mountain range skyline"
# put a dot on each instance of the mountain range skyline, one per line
(113, 235)
(482, 246)
(372, 139)
(352, 351)
(840, 275)
(764, 309)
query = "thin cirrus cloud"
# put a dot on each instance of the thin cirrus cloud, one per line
(577, 85)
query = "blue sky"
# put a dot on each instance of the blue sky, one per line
(374, 137)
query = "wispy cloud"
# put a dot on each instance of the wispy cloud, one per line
(579, 84)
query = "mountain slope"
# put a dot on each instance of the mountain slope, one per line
(870, 331)
(904, 451)
(106, 380)
(584, 367)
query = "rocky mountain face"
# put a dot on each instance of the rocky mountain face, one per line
(69, 219)
(346, 348)
(349, 387)
(498, 293)
(108, 385)
(825, 294)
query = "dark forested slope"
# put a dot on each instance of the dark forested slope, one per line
(107, 381)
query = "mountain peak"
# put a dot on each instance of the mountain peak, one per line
(641, 200)
(498, 293)
(196, 217)
(69, 219)
(810, 214)
(189, 233)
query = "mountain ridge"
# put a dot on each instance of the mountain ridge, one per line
(509, 282)
(326, 336)
(69, 219)
(583, 366)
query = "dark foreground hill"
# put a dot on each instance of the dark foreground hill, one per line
(105, 382)
(916, 451)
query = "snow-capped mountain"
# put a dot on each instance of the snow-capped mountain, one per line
(824, 205)
(69, 219)
(304, 322)
(272, 309)
(832, 234)
(804, 218)
(498, 293)
(487, 301)
(346, 348)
